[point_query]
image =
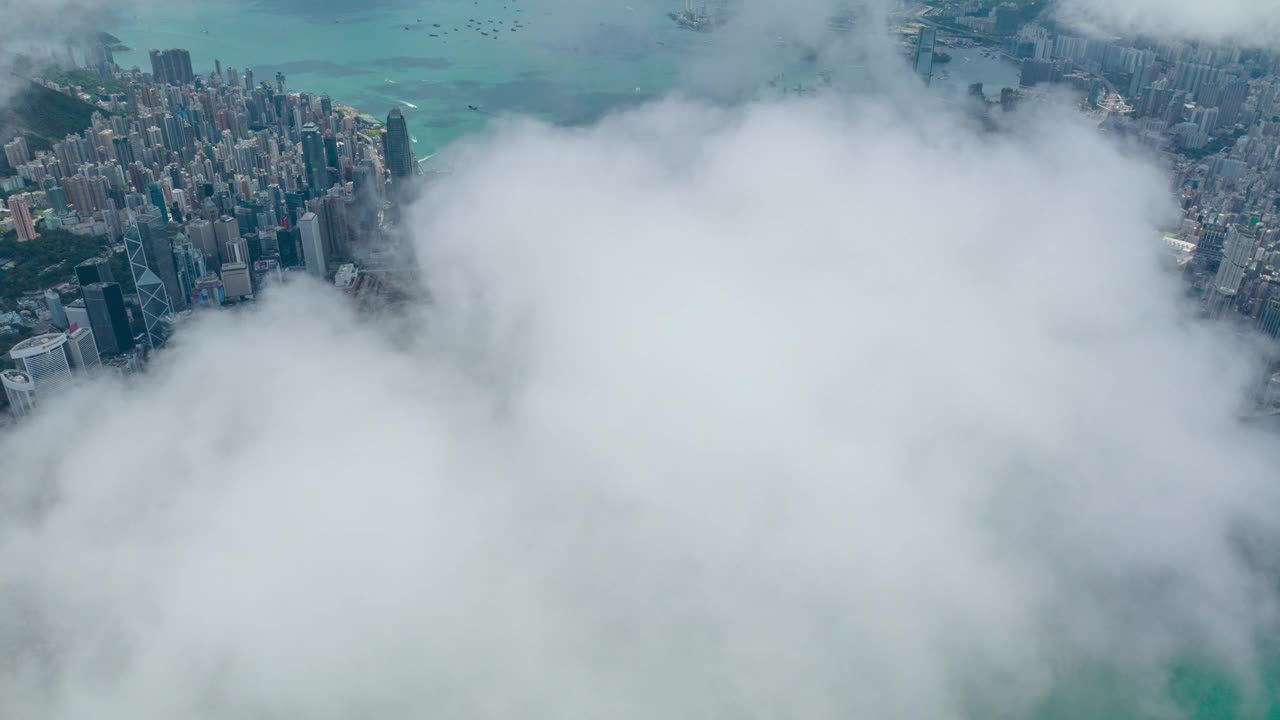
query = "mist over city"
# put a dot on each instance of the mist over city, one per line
(662, 359)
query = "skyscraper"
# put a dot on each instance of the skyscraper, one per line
(82, 350)
(22, 218)
(53, 301)
(368, 183)
(238, 251)
(313, 245)
(924, 53)
(57, 199)
(107, 317)
(171, 66)
(1269, 318)
(396, 145)
(1234, 95)
(287, 242)
(123, 151)
(44, 359)
(16, 152)
(78, 314)
(93, 270)
(225, 230)
(236, 282)
(1208, 252)
(1235, 259)
(202, 236)
(313, 159)
(157, 244)
(156, 195)
(152, 296)
(20, 391)
(335, 229)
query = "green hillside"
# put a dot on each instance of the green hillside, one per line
(45, 116)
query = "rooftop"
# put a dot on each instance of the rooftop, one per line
(40, 343)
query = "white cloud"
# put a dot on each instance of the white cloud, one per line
(799, 409)
(50, 26)
(1251, 22)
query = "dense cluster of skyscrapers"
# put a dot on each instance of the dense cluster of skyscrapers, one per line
(214, 185)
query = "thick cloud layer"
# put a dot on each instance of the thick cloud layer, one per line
(797, 410)
(1251, 22)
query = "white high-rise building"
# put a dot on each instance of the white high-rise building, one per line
(82, 350)
(44, 359)
(203, 237)
(53, 301)
(20, 391)
(1235, 258)
(236, 282)
(77, 314)
(313, 244)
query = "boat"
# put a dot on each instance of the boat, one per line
(691, 21)
(700, 20)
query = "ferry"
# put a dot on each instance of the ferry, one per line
(700, 20)
(690, 20)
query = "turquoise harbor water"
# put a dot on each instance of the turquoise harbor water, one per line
(436, 58)
(431, 59)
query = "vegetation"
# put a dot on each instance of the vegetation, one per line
(45, 116)
(113, 43)
(86, 79)
(45, 261)
(4, 194)
(122, 273)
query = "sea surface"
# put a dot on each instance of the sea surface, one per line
(567, 62)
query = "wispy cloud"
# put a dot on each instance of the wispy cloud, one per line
(37, 25)
(1250, 22)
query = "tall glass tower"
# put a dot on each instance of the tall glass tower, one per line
(925, 44)
(313, 158)
(157, 311)
(396, 145)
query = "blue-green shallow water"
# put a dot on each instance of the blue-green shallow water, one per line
(1189, 689)
(568, 70)
(539, 58)
(572, 69)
